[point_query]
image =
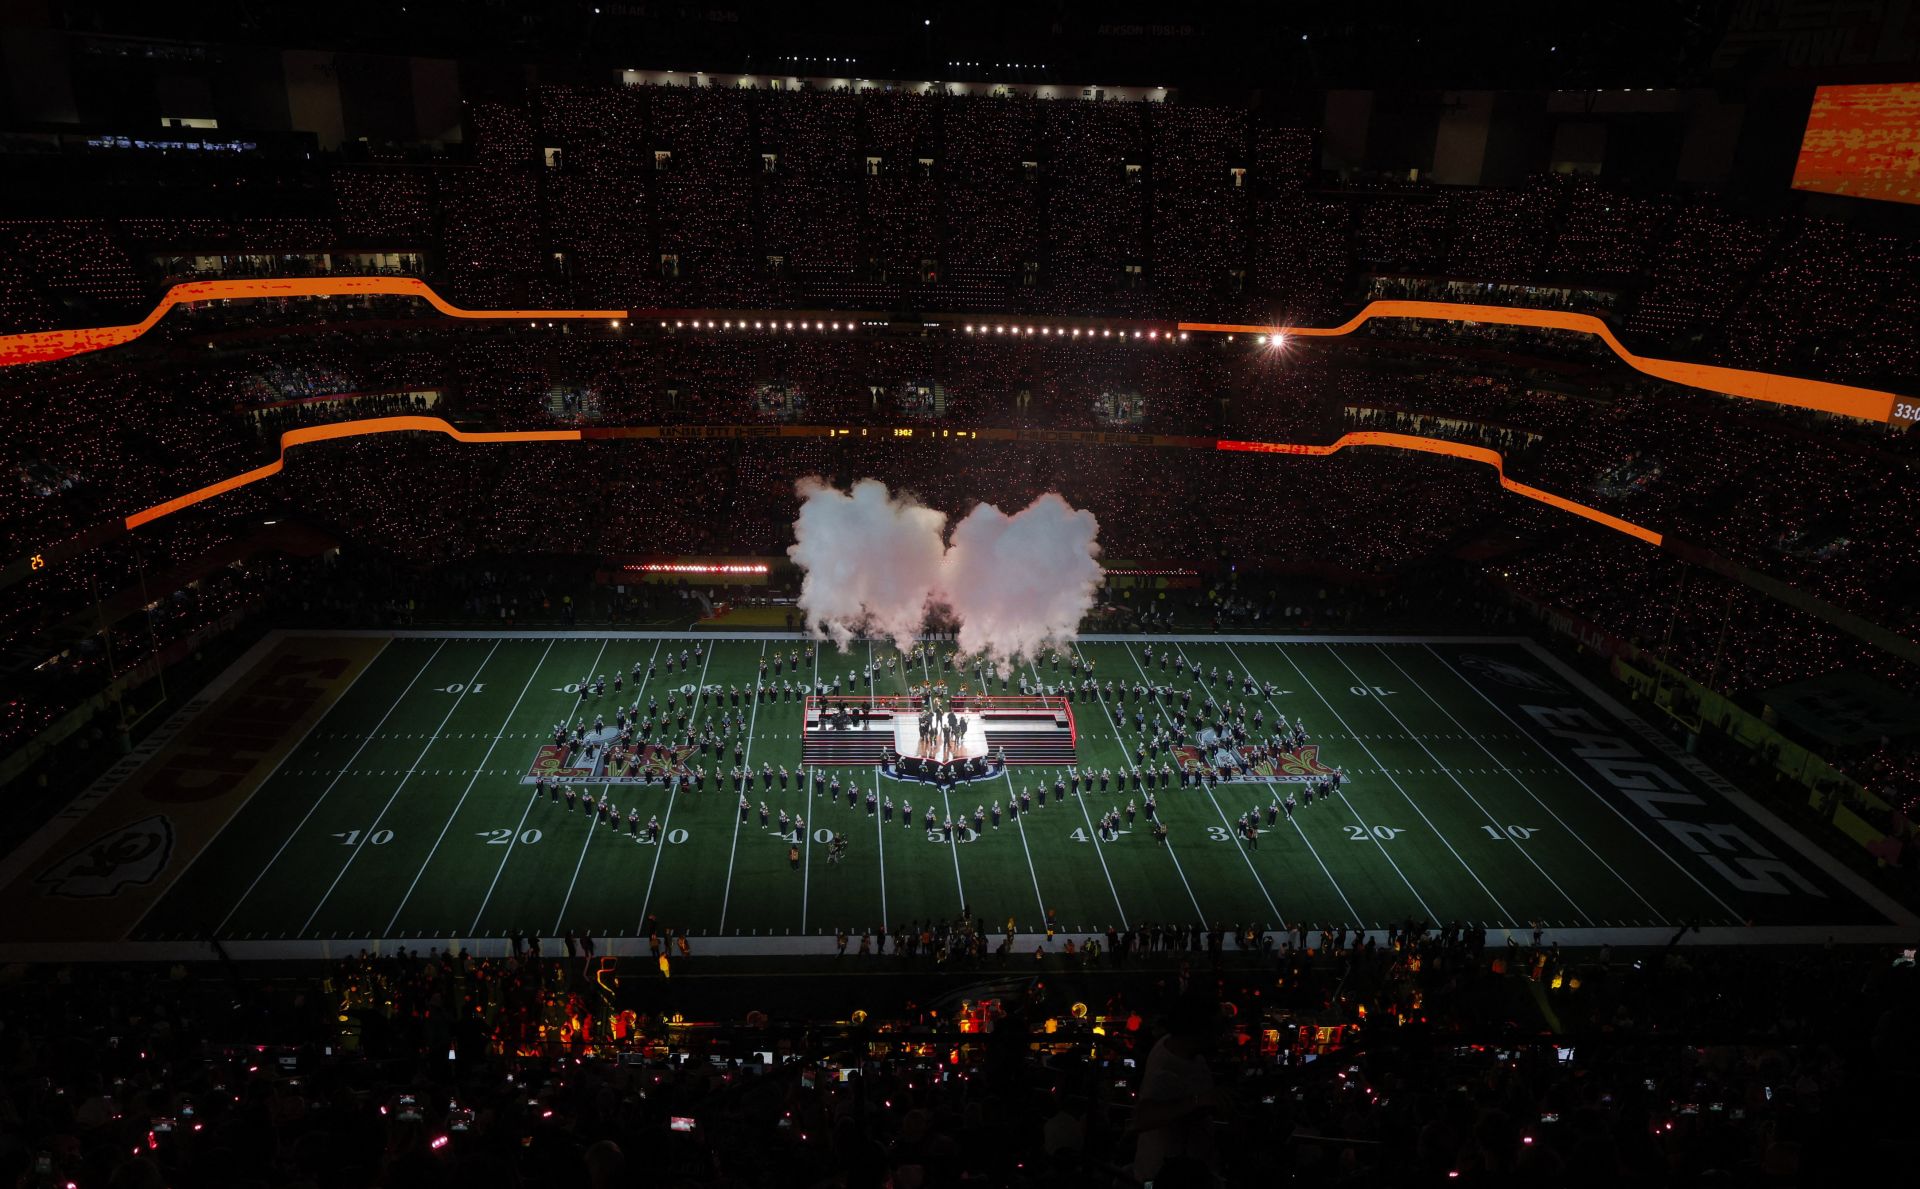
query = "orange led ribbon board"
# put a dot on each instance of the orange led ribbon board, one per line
(341, 429)
(1865, 403)
(1820, 395)
(45, 345)
(1480, 454)
(380, 425)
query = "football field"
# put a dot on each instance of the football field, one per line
(335, 791)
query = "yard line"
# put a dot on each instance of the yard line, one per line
(1513, 774)
(360, 843)
(297, 745)
(1344, 799)
(879, 822)
(515, 840)
(1224, 822)
(1094, 835)
(1122, 745)
(746, 761)
(1524, 733)
(504, 724)
(1021, 822)
(666, 823)
(1275, 793)
(1401, 789)
(1495, 822)
(959, 886)
(324, 793)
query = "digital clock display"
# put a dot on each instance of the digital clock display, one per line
(903, 433)
(1905, 413)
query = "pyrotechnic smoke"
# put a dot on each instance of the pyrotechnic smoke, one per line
(871, 561)
(876, 562)
(1017, 583)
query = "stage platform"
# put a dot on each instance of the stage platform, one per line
(1027, 730)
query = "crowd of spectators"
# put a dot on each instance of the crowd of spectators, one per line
(1422, 1054)
(720, 197)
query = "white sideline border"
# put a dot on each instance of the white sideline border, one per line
(1651, 937)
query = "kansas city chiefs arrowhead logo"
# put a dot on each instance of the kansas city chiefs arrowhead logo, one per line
(133, 854)
(1501, 671)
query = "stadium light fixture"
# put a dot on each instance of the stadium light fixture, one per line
(1262, 340)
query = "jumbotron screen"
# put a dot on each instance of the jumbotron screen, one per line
(1863, 142)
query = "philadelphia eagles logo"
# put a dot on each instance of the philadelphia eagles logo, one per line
(1506, 674)
(133, 854)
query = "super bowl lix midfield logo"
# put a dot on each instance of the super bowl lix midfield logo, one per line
(133, 854)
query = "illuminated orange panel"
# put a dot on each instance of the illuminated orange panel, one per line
(341, 429)
(1480, 454)
(1864, 142)
(41, 346)
(1865, 403)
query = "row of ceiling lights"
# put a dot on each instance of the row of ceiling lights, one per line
(760, 324)
(1275, 339)
(1045, 331)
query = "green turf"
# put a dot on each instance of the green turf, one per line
(403, 815)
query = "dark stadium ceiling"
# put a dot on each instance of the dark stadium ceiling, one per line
(1220, 47)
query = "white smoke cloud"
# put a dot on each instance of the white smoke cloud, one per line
(872, 562)
(877, 562)
(1019, 583)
